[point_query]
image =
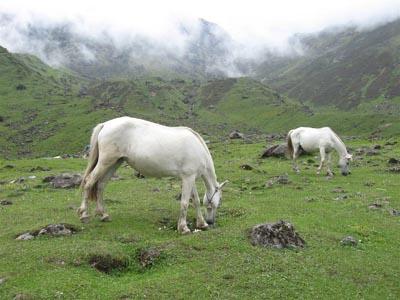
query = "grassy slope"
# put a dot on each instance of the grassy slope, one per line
(219, 263)
(57, 110)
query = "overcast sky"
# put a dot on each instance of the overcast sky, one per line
(247, 21)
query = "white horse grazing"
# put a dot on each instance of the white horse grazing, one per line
(156, 151)
(312, 139)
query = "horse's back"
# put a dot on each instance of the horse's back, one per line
(154, 149)
(310, 138)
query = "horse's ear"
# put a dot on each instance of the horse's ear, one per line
(222, 184)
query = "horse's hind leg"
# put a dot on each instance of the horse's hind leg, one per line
(90, 189)
(100, 211)
(296, 152)
(187, 187)
(200, 222)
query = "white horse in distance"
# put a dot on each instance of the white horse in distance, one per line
(322, 139)
(156, 151)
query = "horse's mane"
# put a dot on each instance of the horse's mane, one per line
(340, 140)
(200, 139)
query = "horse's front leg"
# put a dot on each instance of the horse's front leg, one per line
(83, 210)
(187, 186)
(200, 222)
(328, 168)
(321, 164)
(100, 211)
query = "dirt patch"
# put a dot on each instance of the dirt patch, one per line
(246, 167)
(107, 263)
(276, 235)
(147, 257)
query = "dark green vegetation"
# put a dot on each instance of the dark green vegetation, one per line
(47, 112)
(218, 263)
(342, 68)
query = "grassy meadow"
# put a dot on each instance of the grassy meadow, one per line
(219, 263)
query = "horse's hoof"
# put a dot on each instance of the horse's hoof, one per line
(203, 226)
(79, 211)
(184, 231)
(105, 218)
(85, 219)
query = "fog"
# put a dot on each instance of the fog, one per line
(246, 29)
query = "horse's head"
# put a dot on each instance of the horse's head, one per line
(212, 202)
(344, 164)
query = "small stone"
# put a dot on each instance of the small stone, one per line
(394, 169)
(341, 197)
(349, 241)
(377, 147)
(25, 236)
(338, 190)
(394, 212)
(375, 206)
(236, 135)
(6, 202)
(283, 179)
(246, 167)
(21, 296)
(372, 152)
(393, 161)
(2, 280)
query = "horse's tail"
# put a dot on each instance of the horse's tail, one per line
(290, 149)
(92, 161)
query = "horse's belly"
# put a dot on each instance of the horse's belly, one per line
(152, 168)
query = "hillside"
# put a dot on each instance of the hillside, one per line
(47, 111)
(341, 67)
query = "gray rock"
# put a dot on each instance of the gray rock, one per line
(6, 202)
(276, 235)
(394, 212)
(395, 169)
(375, 206)
(236, 135)
(61, 229)
(25, 236)
(57, 230)
(349, 241)
(275, 151)
(2, 280)
(64, 181)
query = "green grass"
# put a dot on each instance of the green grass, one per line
(219, 263)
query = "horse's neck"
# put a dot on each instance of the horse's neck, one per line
(339, 145)
(210, 180)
